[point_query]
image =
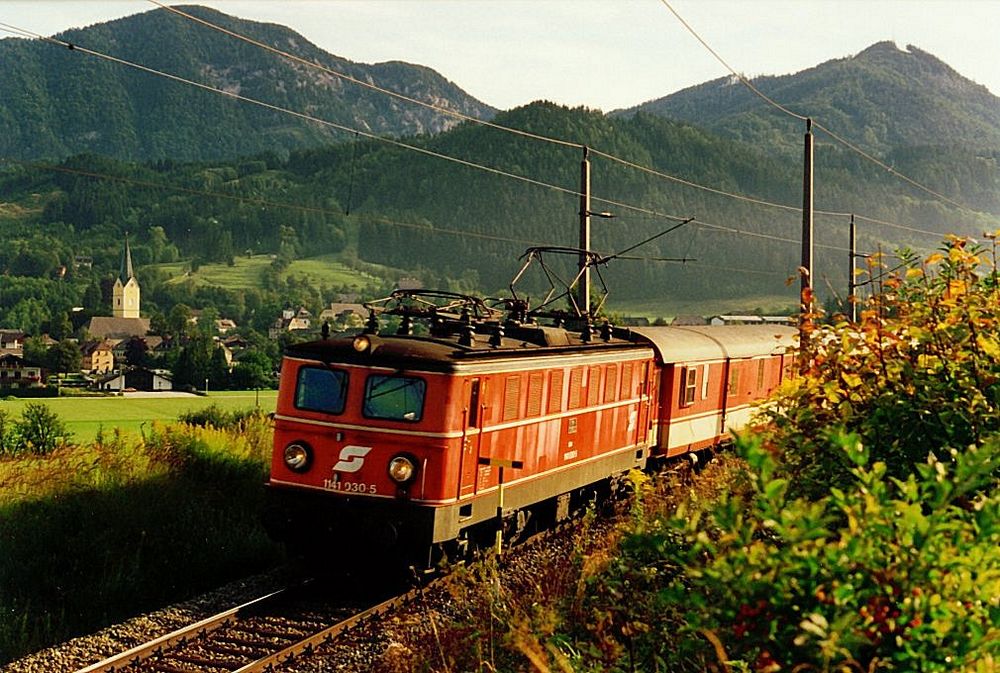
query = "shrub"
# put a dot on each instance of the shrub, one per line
(887, 574)
(39, 430)
(217, 417)
(919, 372)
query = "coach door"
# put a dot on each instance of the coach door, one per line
(647, 402)
(471, 437)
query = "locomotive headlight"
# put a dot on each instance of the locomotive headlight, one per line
(297, 457)
(402, 469)
(362, 344)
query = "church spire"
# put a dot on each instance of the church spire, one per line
(126, 271)
(125, 294)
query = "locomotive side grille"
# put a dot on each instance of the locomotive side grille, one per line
(626, 380)
(555, 391)
(511, 397)
(611, 383)
(594, 386)
(535, 382)
(575, 387)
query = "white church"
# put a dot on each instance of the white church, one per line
(125, 320)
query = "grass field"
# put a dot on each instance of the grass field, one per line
(322, 270)
(669, 307)
(86, 415)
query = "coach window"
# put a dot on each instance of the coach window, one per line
(394, 398)
(734, 380)
(689, 380)
(321, 389)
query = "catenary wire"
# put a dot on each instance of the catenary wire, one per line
(233, 95)
(374, 87)
(26, 33)
(300, 115)
(535, 136)
(373, 219)
(617, 204)
(746, 82)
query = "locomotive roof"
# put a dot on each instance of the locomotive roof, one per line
(444, 353)
(676, 343)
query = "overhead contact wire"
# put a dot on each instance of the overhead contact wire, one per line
(362, 83)
(346, 129)
(493, 125)
(747, 83)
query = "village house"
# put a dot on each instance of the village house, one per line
(290, 321)
(750, 320)
(344, 315)
(11, 341)
(137, 378)
(98, 357)
(15, 372)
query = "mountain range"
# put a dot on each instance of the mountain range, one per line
(882, 98)
(55, 102)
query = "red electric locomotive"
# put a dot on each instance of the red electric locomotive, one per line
(400, 447)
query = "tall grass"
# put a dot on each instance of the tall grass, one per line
(92, 534)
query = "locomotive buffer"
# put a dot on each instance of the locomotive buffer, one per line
(501, 463)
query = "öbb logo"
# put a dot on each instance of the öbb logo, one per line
(352, 458)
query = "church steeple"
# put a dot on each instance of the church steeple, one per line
(126, 272)
(125, 294)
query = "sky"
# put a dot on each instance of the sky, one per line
(605, 54)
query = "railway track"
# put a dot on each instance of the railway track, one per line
(259, 635)
(274, 630)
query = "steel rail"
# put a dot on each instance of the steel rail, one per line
(308, 645)
(139, 653)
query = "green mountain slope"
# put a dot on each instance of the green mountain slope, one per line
(881, 98)
(459, 228)
(56, 102)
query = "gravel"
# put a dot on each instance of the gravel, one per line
(86, 650)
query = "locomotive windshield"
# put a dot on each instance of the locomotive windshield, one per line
(321, 389)
(394, 398)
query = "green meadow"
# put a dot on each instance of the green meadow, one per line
(247, 272)
(85, 416)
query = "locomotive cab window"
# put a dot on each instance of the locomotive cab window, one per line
(321, 389)
(394, 398)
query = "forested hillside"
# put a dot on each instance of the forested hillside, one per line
(455, 226)
(55, 102)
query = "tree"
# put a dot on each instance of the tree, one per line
(218, 371)
(40, 429)
(64, 356)
(60, 327)
(194, 362)
(6, 433)
(136, 352)
(35, 352)
(178, 320)
(206, 321)
(252, 371)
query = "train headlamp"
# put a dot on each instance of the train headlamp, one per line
(402, 469)
(362, 344)
(298, 457)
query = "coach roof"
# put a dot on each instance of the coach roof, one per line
(714, 342)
